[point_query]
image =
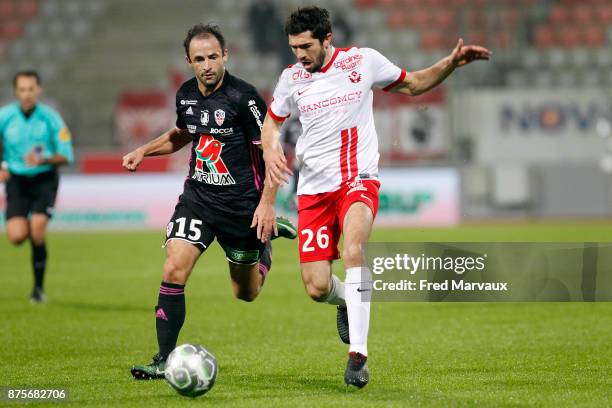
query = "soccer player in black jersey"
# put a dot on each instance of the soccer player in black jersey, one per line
(224, 195)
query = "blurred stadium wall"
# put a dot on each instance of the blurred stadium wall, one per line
(525, 135)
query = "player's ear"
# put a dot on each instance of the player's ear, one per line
(327, 41)
(188, 59)
(225, 54)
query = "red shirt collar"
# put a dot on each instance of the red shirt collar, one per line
(331, 60)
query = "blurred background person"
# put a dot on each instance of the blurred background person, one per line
(35, 142)
(266, 31)
(264, 25)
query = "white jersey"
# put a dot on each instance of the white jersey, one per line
(338, 141)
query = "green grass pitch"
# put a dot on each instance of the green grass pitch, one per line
(283, 350)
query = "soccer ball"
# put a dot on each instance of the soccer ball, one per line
(191, 370)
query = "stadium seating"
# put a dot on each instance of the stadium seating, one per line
(567, 41)
(42, 34)
(535, 43)
(14, 16)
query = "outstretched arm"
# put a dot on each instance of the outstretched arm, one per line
(169, 142)
(418, 82)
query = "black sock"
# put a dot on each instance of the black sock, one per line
(265, 261)
(169, 316)
(39, 262)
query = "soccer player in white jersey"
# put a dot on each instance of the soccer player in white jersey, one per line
(338, 152)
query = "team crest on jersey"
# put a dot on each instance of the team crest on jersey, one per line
(209, 167)
(219, 116)
(204, 117)
(355, 77)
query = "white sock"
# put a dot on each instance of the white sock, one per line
(358, 307)
(336, 292)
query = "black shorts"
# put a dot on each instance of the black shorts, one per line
(200, 227)
(31, 194)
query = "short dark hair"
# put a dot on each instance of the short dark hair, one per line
(312, 18)
(26, 73)
(201, 30)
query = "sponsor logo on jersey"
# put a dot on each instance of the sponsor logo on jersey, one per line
(64, 135)
(333, 102)
(188, 102)
(349, 63)
(192, 128)
(223, 131)
(301, 74)
(301, 91)
(204, 117)
(356, 185)
(189, 111)
(248, 256)
(209, 167)
(365, 197)
(355, 77)
(256, 113)
(219, 116)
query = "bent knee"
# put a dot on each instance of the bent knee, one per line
(17, 238)
(247, 296)
(317, 293)
(174, 273)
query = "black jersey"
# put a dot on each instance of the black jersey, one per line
(226, 170)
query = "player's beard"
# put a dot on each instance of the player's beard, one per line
(211, 83)
(318, 63)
